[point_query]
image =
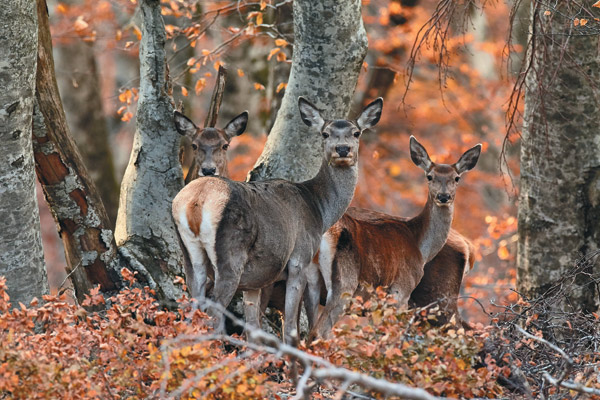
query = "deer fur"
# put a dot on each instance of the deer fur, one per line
(369, 248)
(248, 235)
(209, 145)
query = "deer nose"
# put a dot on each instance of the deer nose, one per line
(209, 171)
(342, 150)
(443, 197)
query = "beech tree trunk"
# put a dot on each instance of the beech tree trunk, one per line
(21, 255)
(145, 231)
(330, 44)
(81, 94)
(82, 221)
(559, 205)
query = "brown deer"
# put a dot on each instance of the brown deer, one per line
(209, 145)
(248, 235)
(367, 247)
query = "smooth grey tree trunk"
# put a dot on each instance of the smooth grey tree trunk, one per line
(21, 255)
(559, 204)
(145, 232)
(330, 44)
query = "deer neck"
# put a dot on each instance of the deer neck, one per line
(331, 191)
(434, 223)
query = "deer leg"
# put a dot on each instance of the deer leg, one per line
(252, 310)
(312, 294)
(227, 278)
(296, 282)
(344, 284)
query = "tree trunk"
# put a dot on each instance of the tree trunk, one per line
(81, 94)
(330, 44)
(21, 255)
(76, 206)
(145, 231)
(559, 205)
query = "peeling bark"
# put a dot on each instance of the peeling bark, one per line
(82, 221)
(559, 205)
(330, 44)
(145, 231)
(21, 255)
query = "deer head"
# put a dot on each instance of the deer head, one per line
(340, 136)
(210, 144)
(443, 179)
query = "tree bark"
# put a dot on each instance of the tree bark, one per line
(81, 94)
(330, 44)
(21, 254)
(75, 204)
(145, 231)
(559, 204)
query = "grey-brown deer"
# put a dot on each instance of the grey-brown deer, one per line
(209, 145)
(370, 248)
(248, 235)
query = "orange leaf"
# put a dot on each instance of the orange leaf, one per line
(273, 52)
(258, 86)
(281, 56)
(80, 25)
(503, 253)
(240, 72)
(259, 19)
(137, 32)
(184, 91)
(576, 21)
(200, 85)
(281, 86)
(547, 12)
(583, 21)
(263, 4)
(596, 4)
(281, 42)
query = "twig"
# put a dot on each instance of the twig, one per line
(570, 385)
(217, 98)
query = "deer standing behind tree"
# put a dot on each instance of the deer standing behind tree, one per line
(209, 145)
(248, 235)
(370, 248)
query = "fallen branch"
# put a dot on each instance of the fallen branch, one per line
(316, 367)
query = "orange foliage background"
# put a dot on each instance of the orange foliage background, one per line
(447, 116)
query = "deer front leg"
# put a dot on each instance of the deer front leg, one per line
(252, 310)
(296, 282)
(312, 295)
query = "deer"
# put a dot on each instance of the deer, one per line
(249, 235)
(209, 145)
(370, 248)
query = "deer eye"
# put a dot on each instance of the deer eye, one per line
(325, 135)
(194, 146)
(356, 134)
(457, 179)
(429, 177)
(225, 146)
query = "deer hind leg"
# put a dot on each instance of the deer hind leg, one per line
(228, 273)
(345, 271)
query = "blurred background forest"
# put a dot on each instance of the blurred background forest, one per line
(451, 92)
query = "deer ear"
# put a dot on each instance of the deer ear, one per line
(419, 155)
(468, 160)
(310, 114)
(184, 125)
(370, 115)
(236, 126)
